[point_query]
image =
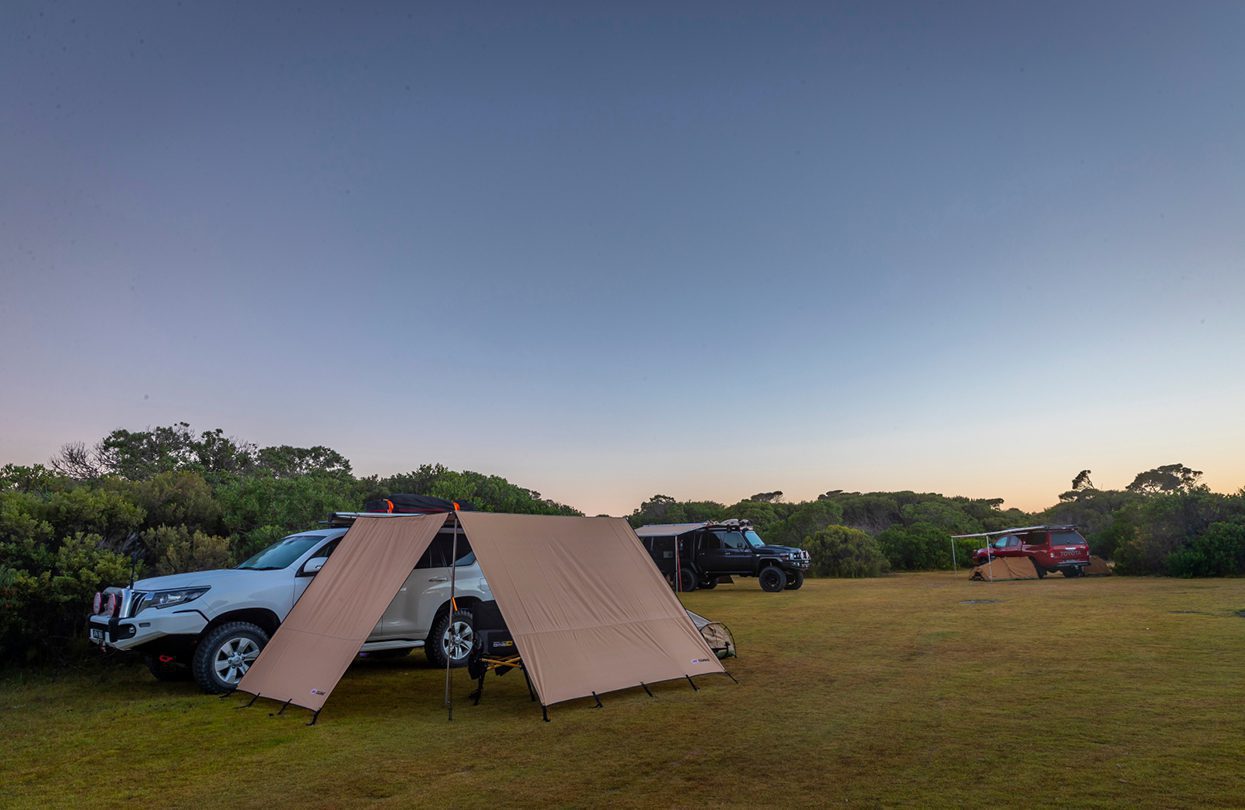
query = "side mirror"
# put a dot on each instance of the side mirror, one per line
(313, 566)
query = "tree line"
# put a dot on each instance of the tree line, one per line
(169, 499)
(1165, 522)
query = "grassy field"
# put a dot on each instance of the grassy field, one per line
(919, 690)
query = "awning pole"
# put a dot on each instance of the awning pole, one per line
(954, 566)
(449, 627)
(678, 571)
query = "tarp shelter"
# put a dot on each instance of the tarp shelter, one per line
(588, 610)
(1005, 568)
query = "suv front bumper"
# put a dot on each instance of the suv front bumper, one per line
(126, 634)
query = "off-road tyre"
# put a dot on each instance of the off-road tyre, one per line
(1071, 572)
(773, 579)
(434, 647)
(1041, 572)
(708, 584)
(795, 580)
(687, 580)
(161, 671)
(214, 657)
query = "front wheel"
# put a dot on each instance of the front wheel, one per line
(773, 579)
(451, 640)
(225, 654)
(795, 580)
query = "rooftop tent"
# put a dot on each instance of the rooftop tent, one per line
(586, 606)
(322, 634)
(588, 609)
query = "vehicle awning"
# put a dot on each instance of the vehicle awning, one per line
(668, 529)
(586, 606)
(312, 648)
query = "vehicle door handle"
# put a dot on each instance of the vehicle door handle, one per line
(438, 579)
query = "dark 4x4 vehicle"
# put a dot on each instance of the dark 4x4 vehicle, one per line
(696, 555)
(1052, 548)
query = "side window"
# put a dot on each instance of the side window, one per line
(326, 550)
(710, 541)
(440, 549)
(734, 541)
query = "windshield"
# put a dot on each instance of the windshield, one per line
(753, 539)
(282, 553)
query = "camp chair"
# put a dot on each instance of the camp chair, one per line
(494, 649)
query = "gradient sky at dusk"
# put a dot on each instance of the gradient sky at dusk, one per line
(700, 249)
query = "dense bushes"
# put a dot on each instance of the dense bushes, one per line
(165, 501)
(841, 551)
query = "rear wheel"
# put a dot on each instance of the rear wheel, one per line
(773, 579)
(687, 580)
(451, 639)
(795, 580)
(1072, 571)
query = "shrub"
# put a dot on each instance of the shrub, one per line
(919, 547)
(841, 551)
(1219, 551)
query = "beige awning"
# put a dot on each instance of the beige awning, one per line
(588, 609)
(312, 648)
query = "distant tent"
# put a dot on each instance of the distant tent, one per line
(1001, 568)
(1097, 567)
(588, 609)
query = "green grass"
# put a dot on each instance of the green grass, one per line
(1086, 692)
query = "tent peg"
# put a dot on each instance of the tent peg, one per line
(229, 693)
(247, 706)
(285, 706)
(598, 700)
(648, 691)
(314, 717)
(544, 710)
(695, 688)
(732, 677)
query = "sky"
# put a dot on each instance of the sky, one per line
(612, 250)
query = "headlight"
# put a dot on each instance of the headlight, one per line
(163, 599)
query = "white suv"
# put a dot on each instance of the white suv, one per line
(214, 623)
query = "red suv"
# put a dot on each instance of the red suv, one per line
(1052, 548)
